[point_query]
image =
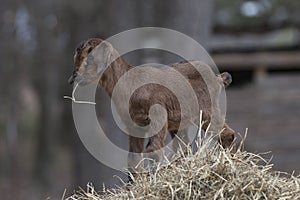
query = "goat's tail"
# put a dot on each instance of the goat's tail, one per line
(227, 78)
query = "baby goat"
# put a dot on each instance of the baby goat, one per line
(88, 68)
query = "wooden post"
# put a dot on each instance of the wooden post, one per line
(260, 73)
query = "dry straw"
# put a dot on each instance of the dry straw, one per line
(76, 101)
(209, 173)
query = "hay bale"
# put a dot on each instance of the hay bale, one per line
(209, 173)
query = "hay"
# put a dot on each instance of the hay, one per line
(76, 101)
(210, 173)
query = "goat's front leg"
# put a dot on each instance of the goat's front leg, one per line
(155, 146)
(136, 147)
(179, 138)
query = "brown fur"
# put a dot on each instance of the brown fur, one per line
(148, 95)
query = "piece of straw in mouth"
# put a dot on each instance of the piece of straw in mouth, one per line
(76, 101)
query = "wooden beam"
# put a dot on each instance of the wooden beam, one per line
(246, 61)
(284, 38)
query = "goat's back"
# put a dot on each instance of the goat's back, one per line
(200, 77)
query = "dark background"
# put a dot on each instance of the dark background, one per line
(41, 155)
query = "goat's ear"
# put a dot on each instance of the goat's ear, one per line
(107, 56)
(100, 57)
(90, 64)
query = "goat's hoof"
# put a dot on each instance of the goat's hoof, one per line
(130, 179)
(152, 161)
(227, 138)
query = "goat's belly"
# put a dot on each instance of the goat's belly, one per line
(174, 121)
(141, 119)
(176, 124)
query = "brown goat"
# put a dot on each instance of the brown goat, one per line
(86, 71)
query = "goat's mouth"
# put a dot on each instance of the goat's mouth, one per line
(71, 79)
(75, 77)
(80, 80)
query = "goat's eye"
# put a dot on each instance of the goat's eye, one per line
(90, 50)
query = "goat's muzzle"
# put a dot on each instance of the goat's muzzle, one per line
(72, 77)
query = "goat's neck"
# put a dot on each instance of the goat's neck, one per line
(113, 73)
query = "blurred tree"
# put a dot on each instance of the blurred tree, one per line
(37, 45)
(256, 15)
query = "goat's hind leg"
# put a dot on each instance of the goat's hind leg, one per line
(227, 137)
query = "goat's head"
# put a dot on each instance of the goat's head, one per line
(90, 59)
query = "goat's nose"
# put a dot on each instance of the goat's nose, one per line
(72, 78)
